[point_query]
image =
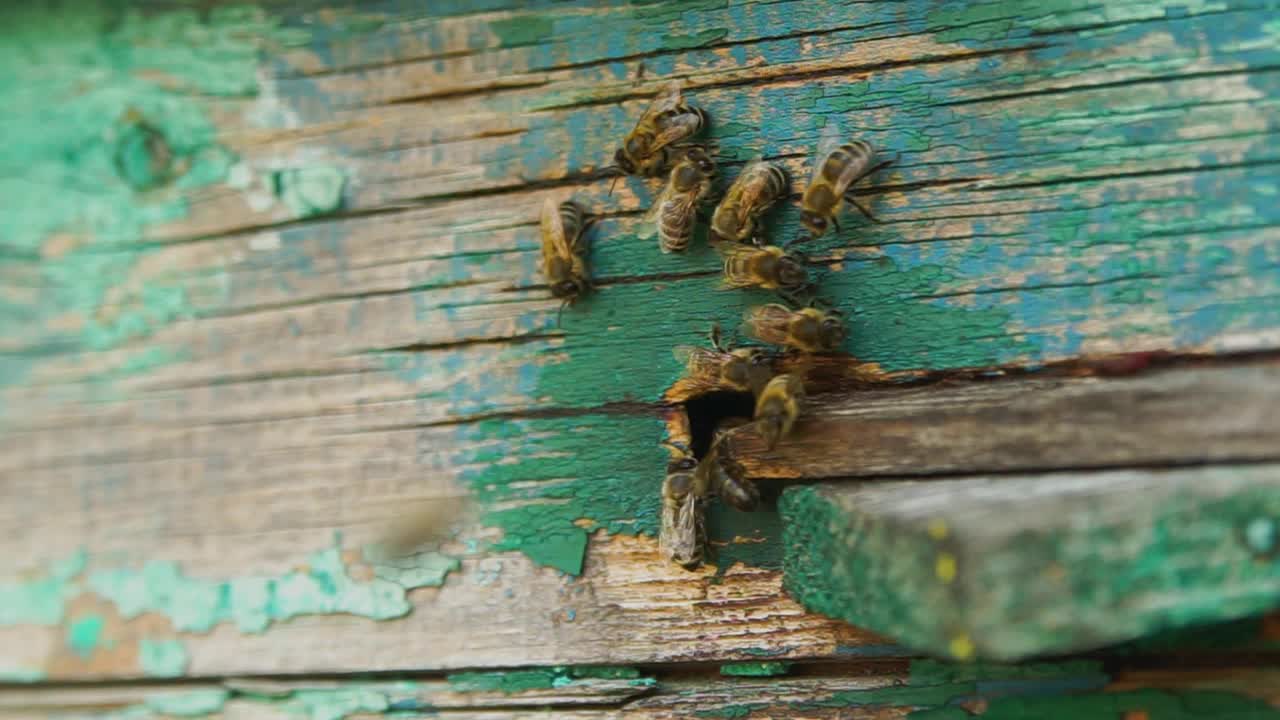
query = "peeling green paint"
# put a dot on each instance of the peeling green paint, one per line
(253, 603)
(87, 175)
(83, 634)
(194, 703)
(22, 675)
(339, 703)
(756, 669)
(42, 601)
(423, 569)
(934, 688)
(517, 681)
(162, 658)
(311, 191)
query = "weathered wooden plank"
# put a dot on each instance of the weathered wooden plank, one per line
(926, 689)
(1191, 414)
(1014, 566)
(330, 306)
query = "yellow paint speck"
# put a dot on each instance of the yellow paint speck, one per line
(945, 567)
(961, 647)
(938, 529)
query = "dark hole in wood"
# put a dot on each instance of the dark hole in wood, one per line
(706, 412)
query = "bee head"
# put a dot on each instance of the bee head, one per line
(833, 332)
(701, 160)
(791, 272)
(565, 288)
(623, 161)
(815, 223)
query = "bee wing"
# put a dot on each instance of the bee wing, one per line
(653, 216)
(665, 101)
(676, 129)
(767, 322)
(681, 533)
(752, 189)
(732, 250)
(694, 358)
(829, 139)
(554, 242)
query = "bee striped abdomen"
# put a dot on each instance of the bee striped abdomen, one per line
(777, 182)
(857, 155)
(674, 231)
(702, 119)
(573, 219)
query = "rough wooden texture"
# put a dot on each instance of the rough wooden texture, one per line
(1172, 415)
(1014, 566)
(924, 690)
(314, 298)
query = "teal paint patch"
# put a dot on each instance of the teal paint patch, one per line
(253, 603)
(162, 658)
(424, 569)
(935, 688)
(42, 601)
(523, 30)
(129, 133)
(541, 514)
(517, 681)
(311, 191)
(756, 669)
(195, 703)
(84, 633)
(699, 39)
(22, 675)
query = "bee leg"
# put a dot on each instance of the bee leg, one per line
(836, 222)
(717, 341)
(614, 182)
(677, 449)
(560, 313)
(640, 71)
(866, 213)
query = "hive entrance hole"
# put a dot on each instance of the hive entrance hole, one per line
(706, 411)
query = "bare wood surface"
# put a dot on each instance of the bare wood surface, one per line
(1186, 415)
(340, 313)
(882, 693)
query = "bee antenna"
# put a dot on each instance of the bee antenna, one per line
(560, 313)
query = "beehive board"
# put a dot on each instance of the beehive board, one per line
(1014, 566)
(326, 305)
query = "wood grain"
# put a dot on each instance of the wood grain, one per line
(869, 692)
(1169, 416)
(333, 309)
(1009, 567)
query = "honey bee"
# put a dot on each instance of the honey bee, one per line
(721, 474)
(769, 267)
(838, 168)
(648, 148)
(808, 329)
(682, 534)
(564, 250)
(778, 407)
(719, 368)
(737, 217)
(676, 209)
